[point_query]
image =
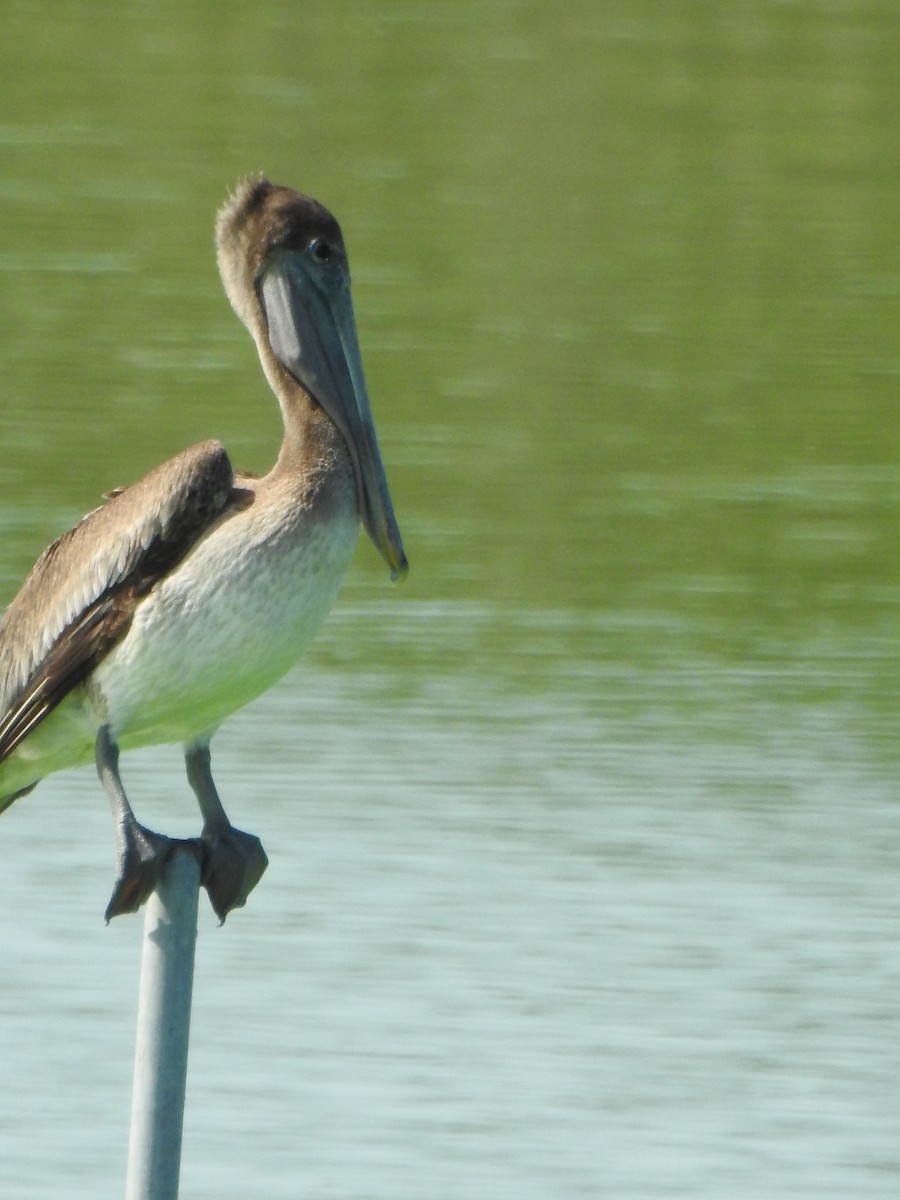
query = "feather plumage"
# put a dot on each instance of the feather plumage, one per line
(80, 597)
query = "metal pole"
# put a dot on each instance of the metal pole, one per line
(163, 1027)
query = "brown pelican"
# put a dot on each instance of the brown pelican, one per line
(192, 591)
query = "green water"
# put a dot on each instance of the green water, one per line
(626, 276)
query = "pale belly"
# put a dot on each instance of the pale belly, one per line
(221, 629)
(232, 618)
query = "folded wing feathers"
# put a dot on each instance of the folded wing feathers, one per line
(80, 595)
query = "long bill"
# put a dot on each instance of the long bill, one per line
(312, 331)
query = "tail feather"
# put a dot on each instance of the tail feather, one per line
(6, 801)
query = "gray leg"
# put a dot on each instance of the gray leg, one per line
(140, 853)
(234, 861)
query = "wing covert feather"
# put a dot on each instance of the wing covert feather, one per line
(80, 596)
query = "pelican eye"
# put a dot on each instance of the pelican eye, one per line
(320, 250)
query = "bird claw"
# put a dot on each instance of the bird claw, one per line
(232, 865)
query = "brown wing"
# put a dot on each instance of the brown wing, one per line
(81, 594)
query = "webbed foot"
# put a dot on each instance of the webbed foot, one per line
(233, 864)
(142, 854)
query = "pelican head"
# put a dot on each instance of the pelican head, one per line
(283, 263)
